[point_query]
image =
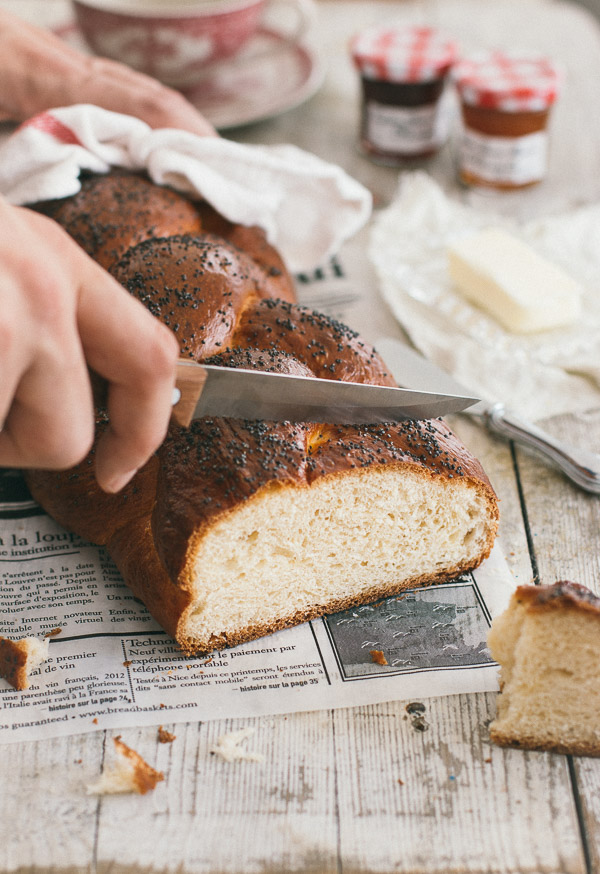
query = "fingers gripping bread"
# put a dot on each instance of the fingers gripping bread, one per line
(238, 528)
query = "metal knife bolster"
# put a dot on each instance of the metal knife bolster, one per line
(207, 390)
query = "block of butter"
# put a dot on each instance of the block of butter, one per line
(506, 278)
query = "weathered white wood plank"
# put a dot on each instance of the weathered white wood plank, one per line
(588, 781)
(47, 821)
(278, 815)
(462, 804)
(564, 520)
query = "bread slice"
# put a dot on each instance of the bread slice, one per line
(547, 643)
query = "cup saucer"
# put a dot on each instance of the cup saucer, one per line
(270, 75)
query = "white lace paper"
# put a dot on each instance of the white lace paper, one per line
(537, 375)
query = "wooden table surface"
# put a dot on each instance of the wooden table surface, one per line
(366, 789)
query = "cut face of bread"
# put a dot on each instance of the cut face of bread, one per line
(353, 537)
(548, 644)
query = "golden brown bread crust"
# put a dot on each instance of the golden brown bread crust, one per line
(252, 241)
(218, 299)
(328, 348)
(562, 595)
(197, 285)
(533, 742)
(115, 211)
(73, 497)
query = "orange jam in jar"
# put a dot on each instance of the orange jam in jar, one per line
(505, 106)
(403, 74)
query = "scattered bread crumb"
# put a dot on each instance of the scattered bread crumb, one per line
(130, 773)
(53, 633)
(378, 657)
(18, 658)
(127, 663)
(95, 721)
(228, 747)
(164, 736)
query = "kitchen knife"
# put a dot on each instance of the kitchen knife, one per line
(207, 390)
(412, 369)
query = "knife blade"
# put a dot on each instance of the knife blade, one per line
(412, 369)
(209, 390)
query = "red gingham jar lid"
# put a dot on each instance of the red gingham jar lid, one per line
(402, 54)
(510, 82)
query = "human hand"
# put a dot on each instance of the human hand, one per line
(60, 313)
(38, 71)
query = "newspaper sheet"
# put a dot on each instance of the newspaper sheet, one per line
(113, 666)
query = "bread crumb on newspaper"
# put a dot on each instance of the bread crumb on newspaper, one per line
(228, 747)
(377, 657)
(18, 658)
(129, 773)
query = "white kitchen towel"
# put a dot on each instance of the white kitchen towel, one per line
(306, 206)
(538, 375)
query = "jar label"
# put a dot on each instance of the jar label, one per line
(514, 160)
(406, 130)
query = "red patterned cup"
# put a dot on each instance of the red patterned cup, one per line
(174, 40)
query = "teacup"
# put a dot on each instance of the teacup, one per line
(176, 40)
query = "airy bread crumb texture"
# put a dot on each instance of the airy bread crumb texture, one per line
(18, 658)
(547, 643)
(128, 773)
(354, 536)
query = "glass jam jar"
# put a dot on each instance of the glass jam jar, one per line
(505, 105)
(403, 74)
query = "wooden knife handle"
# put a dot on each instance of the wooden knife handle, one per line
(189, 383)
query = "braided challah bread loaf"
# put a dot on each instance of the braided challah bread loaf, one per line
(238, 528)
